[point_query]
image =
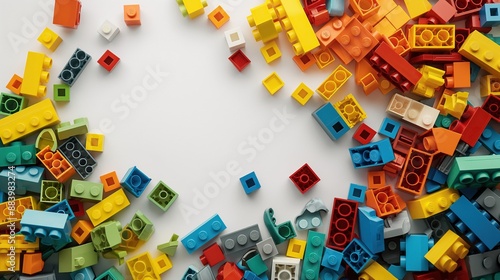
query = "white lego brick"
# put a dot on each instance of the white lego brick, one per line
(235, 39)
(108, 30)
(285, 268)
(412, 111)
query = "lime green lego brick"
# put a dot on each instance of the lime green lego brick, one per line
(115, 254)
(77, 257)
(106, 236)
(65, 130)
(162, 196)
(11, 103)
(170, 247)
(51, 192)
(86, 190)
(61, 92)
(141, 226)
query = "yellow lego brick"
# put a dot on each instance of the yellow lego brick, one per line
(163, 263)
(142, 267)
(333, 82)
(273, 83)
(270, 51)
(21, 245)
(108, 207)
(218, 17)
(324, 58)
(49, 39)
(489, 85)
(444, 254)
(130, 240)
(296, 248)
(364, 9)
(398, 17)
(384, 27)
(350, 110)
(298, 28)
(94, 142)
(385, 7)
(431, 37)
(432, 204)
(26, 121)
(263, 18)
(14, 212)
(385, 86)
(192, 8)
(417, 8)
(375, 271)
(10, 263)
(455, 104)
(36, 74)
(481, 50)
(431, 79)
(302, 94)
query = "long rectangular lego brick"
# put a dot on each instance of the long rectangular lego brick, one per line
(474, 171)
(482, 51)
(314, 250)
(28, 179)
(78, 157)
(41, 224)
(431, 37)
(31, 119)
(36, 75)
(483, 264)
(342, 223)
(241, 239)
(203, 233)
(108, 207)
(415, 172)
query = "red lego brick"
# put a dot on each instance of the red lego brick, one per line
(229, 271)
(415, 172)
(404, 141)
(394, 67)
(77, 207)
(342, 223)
(108, 60)
(472, 123)
(433, 275)
(492, 106)
(357, 40)
(316, 12)
(460, 272)
(394, 167)
(304, 178)
(384, 201)
(466, 8)
(67, 13)
(442, 11)
(239, 60)
(460, 35)
(474, 23)
(364, 134)
(441, 58)
(212, 255)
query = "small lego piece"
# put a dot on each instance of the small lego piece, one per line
(357, 193)
(81, 231)
(285, 268)
(132, 14)
(110, 181)
(331, 121)
(108, 60)
(332, 259)
(218, 17)
(304, 178)
(66, 130)
(94, 142)
(356, 39)
(489, 85)
(75, 66)
(445, 253)
(431, 37)
(142, 226)
(304, 61)
(333, 82)
(51, 192)
(457, 75)
(61, 93)
(273, 83)
(389, 128)
(143, 265)
(108, 30)
(490, 201)
(364, 134)
(169, 247)
(32, 263)
(371, 229)
(111, 274)
(342, 223)
(108, 207)
(296, 248)
(239, 60)
(262, 19)
(384, 201)
(192, 8)
(83, 274)
(483, 264)
(106, 236)
(234, 39)
(135, 181)
(67, 13)
(49, 39)
(250, 183)
(86, 190)
(280, 233)
(488, 14)
(415, 171)
(36, 74)
(203, 234)
(376, 179)
(415, 247)
(302, 94)
(357, 256)
(474, 171)
(78, 157)
(376, 271)
(229, 271)
(323, 58)
(372, 154)
(267, 249)
(310, 217)
(162, 196)
(350, 110)
(492, 106)
(270, 52)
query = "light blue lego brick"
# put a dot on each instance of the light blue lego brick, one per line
(331, 121)
(83, 274)
(312, 255)
(203, 233)
(43, 224)
(490, 139)
(389, 128)
(135, 181)
(431, 186)
(28, 179)
(474, 71)
(371, 229)
(357, 193)
(329, 274)
(397, 271)
(466, 216)
(190, 273)
(335, 7)
(416, 246)
(357, 256)
(76, 154)
(111, 274)
(57, 245)
(250, 182)
(332, 259)
(372, 154)
(249, 275)
(62, 207)
(489, 15)
(75, 66)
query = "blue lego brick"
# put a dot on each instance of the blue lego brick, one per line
(75, 66)
(135, 181)
(335, 7)
(3, 197)
(111, 274)
(474, 71)
(371, 229)
(389, 128)
(190, 273)
(472, 222)
(469, 192)
(490, 139)
(330, 120)
(203, 233)
(332, 259)
(489, 15)
(357, 256)
(78, 157)
(312, 255)
(249, 275)
(329, 274)
(250, 183)
(431, 186)
(473, 150)
(17, 154)
(437, 176)
(372, 154)
(397, 271)
(42, 224)
(28, 179)
(357, 193)
(416, 246)
(83, 274)
(62, 208)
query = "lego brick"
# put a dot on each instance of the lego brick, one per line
(81, 231)
(296, 248)
(163, 196)
(331, 259)
(110, 181)
(350, 110)
(335, 7)
(445, 253)
(130, 241)
(270, 51)
(62, 207)
(474, 171)
(94, 142)
(256, 265)
(76, 207)
(389, 128)
(45, 138)
(75, 66)
(473, 121)
(51, 192)
(76, 154)
(398, 42)
(49, 39)
(169, 248)
(415, 247)
(483, 264)
(218, 17)
(364, 9)
(331, 121)
(304, 178)
(324, 58)
(489, 85)
(333, 82)
(492, 106)
(86, 190)
(67, 13)
(357, 256)
(364, 134)
(10, 265)
(342, 223)
(192, 8)
(267, 249)
(61, 93)
(357, 193)
(108, 60)
(415, 170)
(83, 274)
(111, 274)
(15, 84)
(36, 74)
(16, 153)
(11, 103)
(273, 83)
(203, 233)
(262, 19)
(108, 207)
(162, 263)
(142, 267)
(431, 37)
(417, 8)
(376, 179)
(490, 201)
(285, 267)
(405, 139)
(371, 229)
(108, 30)
(432, 204)
(21, 245)
(330, 30)
(436, 58)
(384, 201)
(439, 225)
(457, 75)
(412, 111)
(132, 14)
(239, 60)
(106, 236)
(316, 12)
(13, 212)
(372, 154)
(234, 39)
(310, 217)
(229, 270)
(42, 224)
(280, 233)
(357, 40)
(440, 141)
(312, 255)
(392, 252)
(141, 226)
(481, 50)
(385, 7)
(135, 181)
(302, 94)
(304, 61)
(490, 139)
(376, 271)
(442, 11)
(212, 255)
(488, 15)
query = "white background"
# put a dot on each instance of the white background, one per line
(197, 119)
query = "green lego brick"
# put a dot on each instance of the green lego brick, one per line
(257, 265)
(61, 92)
(45, 138)
(312, 255)
(162, 196)
(77, 257)
(106, 236)
(141, 226)
(65, 130)
(11, 103)
(17, 154)
(86, 190)
(170, 247)
(51, 192)
(111, 274)
(474, 172)
(115, 254)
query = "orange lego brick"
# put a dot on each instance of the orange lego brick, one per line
(364, 8)
(32, 263)
(333, 82)
(323, 58)
(385, 7)
(385, 86)
(13, 213)
(341, 53)
(81, 231)
(218, 17)
(415, 171)
(457, 75)
(440, 140)
(376, 179)
(14, 84)
(328, 32)
(67, 13)
(357, 40)
(398, 17)
(304, 61)
(398, 42)
(366, 76)
(384, 201)
(369, 83)
(110, 181)
(56, 164)
(132, 14)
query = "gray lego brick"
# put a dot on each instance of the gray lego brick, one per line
(490, 201)
(483, 264)
(267, 249)
(439, 226)
(240, 240)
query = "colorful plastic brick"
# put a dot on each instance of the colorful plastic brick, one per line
(212, 255)
(445, 253)
(481, 50)
(94, 142)
(316, 12)
(371, 229)
(323, 58)
(492, 106)
(132, 14)
(335, 8)
(296, 248)
(250, 182)
(51, 192)
(75, 66)
(311, 217)
(192, 8)
(342, 223)
(162, 196)
(61, 93)
(273, 83)
(372, 154)
(312, 255)
(106, 236)
(40, 224)
(142, 267)
(270, 51)
(398, 18)
(490, 139)
(240, 240)
(15, 84)
(142, 226)
(135, 181)
(280, 233)
(78, 157)
(111, 274)
(234, 39)
(431, 37)
(84, 274)
(262, 18)
(364, 8)
(350, 110)
(489, 15)
(432, 79)
(81, 231)
(376, 271)
(218, 17)
(62, 207)
(36, 74)
(397, 225)
(490, 201)
(230, 271)
(302, 94)
(108, 207)
(357, 256)
(45, 138)
(169, 248)
(357, 193)
(49, 39)
(490, 85)
(384, 201)
(474, 171)
(129, 240)
(13, 212)
(356, 39)
(203, 234)
(483, 264)
(162, 263)
(66, 130)
(108, 30)
(376, 179)
(412, 111)
(331, 121)
(432, 204)
(67, 13)
(364, 134)
(304, 61)
(457, 75)
(415, 171)
(21, 245)
(110, 181)
(389, 128)
(267, 249)
(32, 263)
(11, 103)
(285, 267)
(473, 121)
(239, 60)
(16, 153)
(331, 259)
(333, 82)
(304, 178)
(415, 247)
(417, 8)
(108, 60)
(86, 190)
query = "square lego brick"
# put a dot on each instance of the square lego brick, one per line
(304, 61)
(296, 248)
(218, 17)
(270, 51)
(273, 83)
(135, 181)
(162, 196)
(235, 39)
(108, 60)
(250, 183)
(49, 39)
(61, 92)
(239, 60)
(302, 94)
(364, 134)
(11, 103)
(357, 193)
(376, 179)
(14, 84)
(108, 30)
(324, 58)
(304, 178)
(389, 128)
(110, 181)
(267, 248)
(132, 14)
(94, 142)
